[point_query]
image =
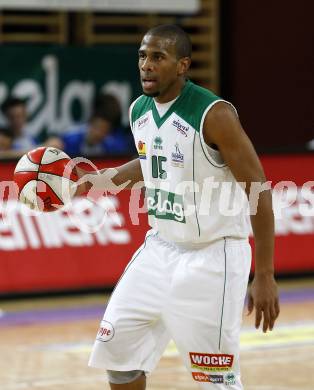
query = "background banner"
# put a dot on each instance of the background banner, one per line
(174, 6)
(59, 83)
(49, 252)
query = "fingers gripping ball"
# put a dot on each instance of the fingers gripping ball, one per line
(44, 179)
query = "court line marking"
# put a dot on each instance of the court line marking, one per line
(74, 380)
(271, 359)
(92, 378)
(274, 387)
(295, 335)
(88, 311)
(55, 382)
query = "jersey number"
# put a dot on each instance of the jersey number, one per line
(157, 169)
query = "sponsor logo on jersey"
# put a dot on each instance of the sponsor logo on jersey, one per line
(177, 158)
(105, 332)
(141, 147)
(230, 379)
(180, 127)
(211, 362)
(158, 143)
(165, 205)
(202, 377)
(142, 121)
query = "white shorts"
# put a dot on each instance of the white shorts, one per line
(194, 296)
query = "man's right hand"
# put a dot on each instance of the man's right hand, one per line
(111, 180)
(84, 185)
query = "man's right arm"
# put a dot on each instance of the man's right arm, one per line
(125, 175)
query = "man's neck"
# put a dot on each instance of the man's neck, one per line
(174, 91)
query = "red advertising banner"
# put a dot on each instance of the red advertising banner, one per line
(54, 251)
(62, 250)
(292, 180)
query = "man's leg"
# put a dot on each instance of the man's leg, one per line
(137, 384)
(204, 312)
(132, 336)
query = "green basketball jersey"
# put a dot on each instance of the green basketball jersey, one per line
(187, 183)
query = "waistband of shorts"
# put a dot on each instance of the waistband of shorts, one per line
(230, 241)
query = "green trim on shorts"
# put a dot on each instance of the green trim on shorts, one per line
(140, 250)
(223, 296)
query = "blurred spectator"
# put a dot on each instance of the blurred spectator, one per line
(14, 110)
(6, 139)
(102, 134)
(14, 138)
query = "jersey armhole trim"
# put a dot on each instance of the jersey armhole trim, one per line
(193, 168)
(130, 111)
(202, 141)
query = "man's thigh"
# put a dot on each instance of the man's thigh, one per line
(204, 312)
(132, 335)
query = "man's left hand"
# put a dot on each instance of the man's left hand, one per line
(263, 295)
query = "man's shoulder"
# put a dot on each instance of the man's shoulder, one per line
(201, 95)
(139, 107)
(195, 101)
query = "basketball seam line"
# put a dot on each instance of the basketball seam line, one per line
(51, 190)
(40, 165)
(54, 174)
(33, 162)
(41, 159)
(26, 171)
(52, 162)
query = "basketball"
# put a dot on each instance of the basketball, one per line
(44, 183)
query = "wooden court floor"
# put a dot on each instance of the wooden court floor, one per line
(45, 344)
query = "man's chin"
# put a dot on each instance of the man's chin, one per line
(151, 94)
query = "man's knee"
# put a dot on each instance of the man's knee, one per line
(122, 377)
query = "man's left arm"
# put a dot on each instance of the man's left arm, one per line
(223, 129)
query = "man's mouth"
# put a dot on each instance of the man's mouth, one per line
(149, 82)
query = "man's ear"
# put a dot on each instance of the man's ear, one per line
(183, 65)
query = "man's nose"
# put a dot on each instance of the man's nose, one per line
(146, 65)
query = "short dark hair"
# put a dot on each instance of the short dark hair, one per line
(10, 102)
(176, 33)
(106, 106)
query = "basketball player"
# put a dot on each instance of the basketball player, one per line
(188, 280)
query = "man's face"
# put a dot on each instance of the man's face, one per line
(17, 118)
(158, 65)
